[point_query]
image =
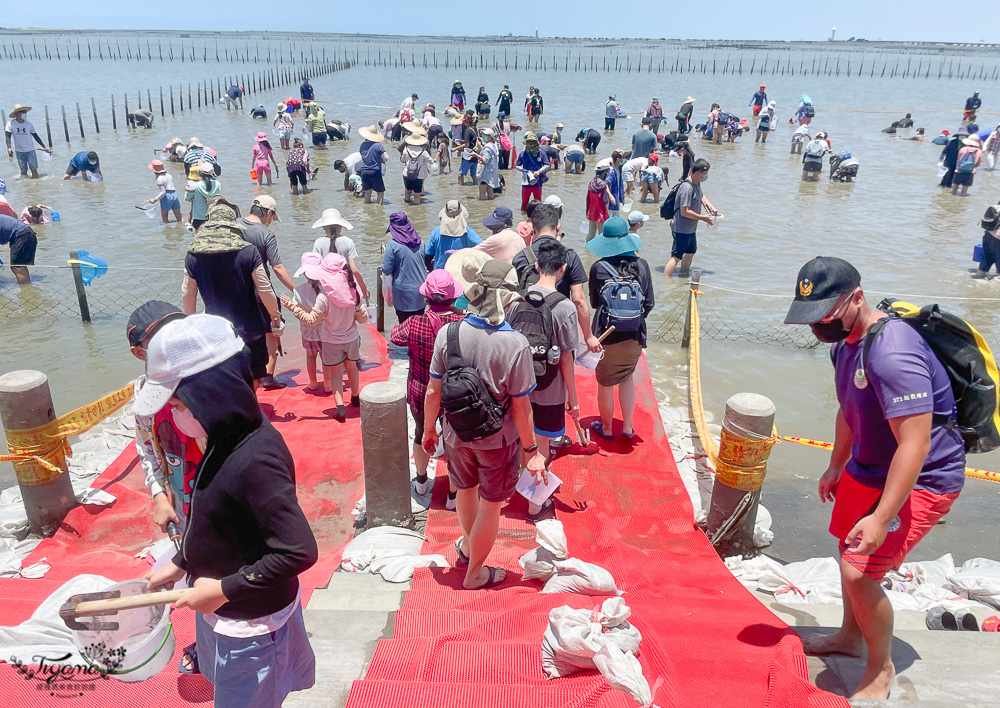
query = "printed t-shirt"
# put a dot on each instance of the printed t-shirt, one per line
(21, 134)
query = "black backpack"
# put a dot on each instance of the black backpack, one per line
(808, 111)
(469, 405)
(533, 318)
(621, 301)
(667, 209)
(966, 359)
(528, 276)
(991, 219)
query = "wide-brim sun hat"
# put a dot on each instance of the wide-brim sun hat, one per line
(457, 120)
(332, 217)
(415, 139)
(18, 108)
(261, 137)
(282, 107)
(972, 141)
(457, 260)
(370, 132)
(195, 142)
(614, 240)
(415, 127)
(181, 348)
(157, 167)
(688, 100)
(454, 219)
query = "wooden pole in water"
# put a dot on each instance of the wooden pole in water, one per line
(171, 99)
(163, 113)
(48, 127)
(65, 123)
(79, 118)
(93, 106)
(114, 117)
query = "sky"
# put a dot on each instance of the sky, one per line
(920, 20)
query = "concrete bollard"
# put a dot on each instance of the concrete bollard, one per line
(26, 403)
(748, 423)
(386, 454)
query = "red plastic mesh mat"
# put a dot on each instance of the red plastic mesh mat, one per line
(624, 507)
(104, 540)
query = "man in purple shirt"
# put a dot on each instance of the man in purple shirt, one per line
(895, 469)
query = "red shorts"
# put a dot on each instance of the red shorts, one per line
(756, 110)
(918, 516)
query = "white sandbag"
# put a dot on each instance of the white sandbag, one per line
(378, 543)
(978, 579)
(575, 575)
(763, 536)
(573, 637)
(538, 564)
(550, 535)
(623, 672)
(399, 569)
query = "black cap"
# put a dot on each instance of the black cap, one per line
(147, 318)
(821, 282)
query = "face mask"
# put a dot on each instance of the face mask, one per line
(704, 177)
(185, 422)
(830, 332)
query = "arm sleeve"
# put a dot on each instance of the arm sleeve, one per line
(314, 316)
(39, 141)
(473, 237)
(264, 289)
(150, 459)
(648, 292)
(290, 547)
(595, 287)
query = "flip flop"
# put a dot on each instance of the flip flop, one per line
(192, 653)
(598, 427)
(547, 511)
(462, 558)
(492, 582)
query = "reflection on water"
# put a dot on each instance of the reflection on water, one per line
(905, 234)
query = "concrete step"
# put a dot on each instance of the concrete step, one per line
(809, 615)
(338, 664)
(368, 582)
(363, 626)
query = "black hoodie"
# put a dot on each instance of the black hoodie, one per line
(245, 525)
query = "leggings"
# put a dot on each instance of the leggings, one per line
(528, 192)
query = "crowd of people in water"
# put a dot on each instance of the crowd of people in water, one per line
(495, 317)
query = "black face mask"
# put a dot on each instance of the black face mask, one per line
(830, 332)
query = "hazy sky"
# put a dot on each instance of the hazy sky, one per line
(749, 19)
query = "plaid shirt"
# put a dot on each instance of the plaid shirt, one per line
(417, 334)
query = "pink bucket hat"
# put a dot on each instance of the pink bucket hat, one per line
(310, 266)
(439, 285)
(261, 137)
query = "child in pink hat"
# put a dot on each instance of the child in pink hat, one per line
(338, 313)
(261, 159)
(309, 296)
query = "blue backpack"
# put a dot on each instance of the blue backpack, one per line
(967, 165)
(621, 302)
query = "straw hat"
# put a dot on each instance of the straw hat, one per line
(175, 141)
(194, 142)
(415, 140)
(971, 141)
(415, 127)
(471, 256)
(457, 120)
(688, 100)
(370, 132)
(282, 108)
(560, 125)
(18, 108)
(332, 217)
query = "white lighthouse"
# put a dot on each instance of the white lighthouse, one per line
(833, 34)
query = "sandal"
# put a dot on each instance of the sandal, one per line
(547, 511)
(191, 652)
(598, 427)
(492, 582)
(462, 558)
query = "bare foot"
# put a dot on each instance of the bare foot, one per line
(313, 387)
(823, 644)
(483, 578)
(876, 683)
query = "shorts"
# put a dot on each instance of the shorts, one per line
(413, 185)
(494, 471)
(372, 180)
(578, 158)
(628, 175)
(550, 420)
(813, 167)
(962, 179)
(684, 244)
(284, 133)
(27, 160)
(805, 120)
(618, 362)
(468, 167)
(72, 171)
(418, 422)
(170, 201)
(319, 138)
(756, 110)
(334, 354)
(264, 168)
(297, 177)
(258, 357)
(991, 253)
(921, 511)
(312, 346)
(22, 248)
(798, 139)
(650, 179)
(256, 671)
(196, 223)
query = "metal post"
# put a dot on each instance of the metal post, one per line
(379, 302)
(733, 511)
(25, 404)
(81, 290)
(386, 446)
(686, 334)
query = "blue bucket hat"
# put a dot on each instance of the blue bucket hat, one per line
(614, 240)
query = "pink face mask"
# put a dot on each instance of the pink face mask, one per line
(185, 422)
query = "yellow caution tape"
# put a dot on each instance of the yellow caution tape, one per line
(39, 454)
(694, 385)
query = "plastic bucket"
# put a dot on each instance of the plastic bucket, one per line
(626, 206)
(253, 175)
(585, 227)
(145, 634)
(977, 253)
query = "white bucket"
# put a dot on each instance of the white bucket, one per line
(626, 206)
(941, 169)
(145, 634)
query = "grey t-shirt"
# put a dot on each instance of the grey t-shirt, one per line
(264, 240)
(502, 358)
(688, 195)
(567, 336)
(345, 247)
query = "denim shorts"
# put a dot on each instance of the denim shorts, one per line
(169, 201)
(27, 160)
(468, 167)
(577, 157)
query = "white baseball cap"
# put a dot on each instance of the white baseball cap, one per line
(553, 200)
(183, 348)
(635, 217)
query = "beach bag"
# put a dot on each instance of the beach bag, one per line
(968, 361)
(815, 150)
(808, 111)
(533, 318)
(505, 142)
(621, 302)
(668, 207)
(991, 219)
(469, 405)
(967, 165)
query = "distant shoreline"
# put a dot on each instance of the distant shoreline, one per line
(728, 44)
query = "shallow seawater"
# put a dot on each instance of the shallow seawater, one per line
(907, 236)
